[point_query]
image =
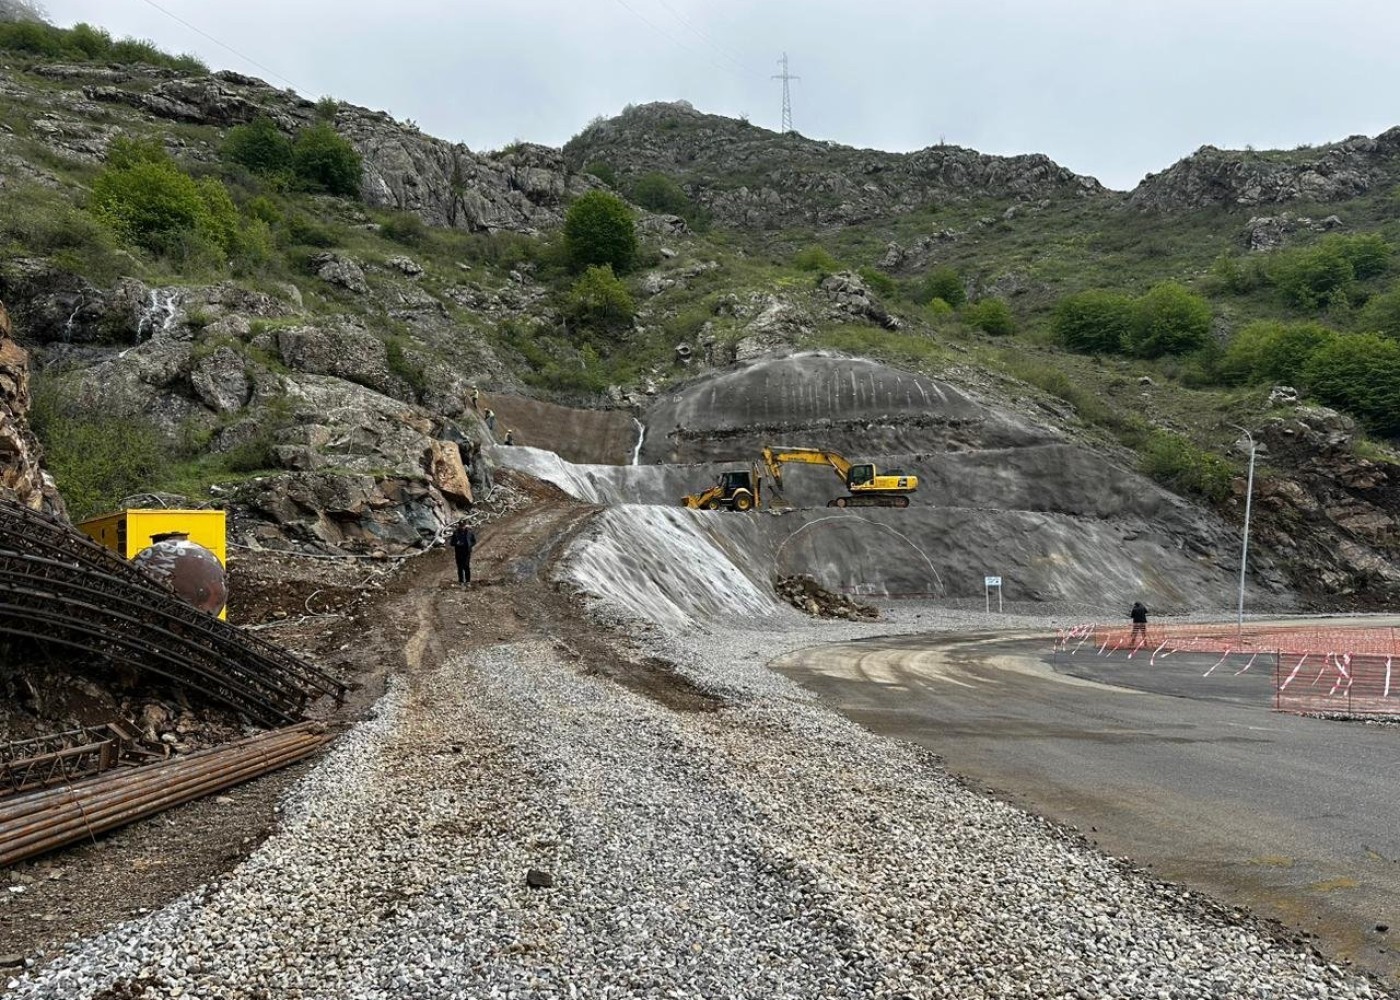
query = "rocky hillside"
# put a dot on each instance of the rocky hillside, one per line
(1327, 174)
(750, 177)
(319, 379)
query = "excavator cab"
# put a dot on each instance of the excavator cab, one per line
(860, 475)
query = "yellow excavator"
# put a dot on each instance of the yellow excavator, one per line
(869, 487)
(740, 490)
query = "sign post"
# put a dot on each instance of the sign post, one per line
(988, 582)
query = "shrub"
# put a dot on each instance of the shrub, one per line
(323, 160)
(1093, 322)
(96, 459)
(1274, 352)
(990, 316)
(260, 146)
(150, 202)
(1382, 314)
(1368, 253)
(659, 193)
(941, 283)
(1168, 320)
(815, 258)
(303, 230)
(1310, 279)
(327, 108)
(264, 209)
(598, 231)
(1179, 465)
(879, 282)
(405, 228)
(938, 310)
(602, 170)
(600, 300)
(1359, 373)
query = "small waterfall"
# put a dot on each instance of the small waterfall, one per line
(162, 308)
(72, 321)
(641, 436)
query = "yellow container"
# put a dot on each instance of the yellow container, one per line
(129, 532)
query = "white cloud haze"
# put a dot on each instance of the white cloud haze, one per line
(1112, 88)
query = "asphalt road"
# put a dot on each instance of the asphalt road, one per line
(1294, 818)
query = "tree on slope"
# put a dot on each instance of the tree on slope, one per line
(599, 230)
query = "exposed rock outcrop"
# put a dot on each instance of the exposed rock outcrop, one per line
(1330, 515)
(1270, 232)
(22, 478)
(1215, 177)
(749, 176)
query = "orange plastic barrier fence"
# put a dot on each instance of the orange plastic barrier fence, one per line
(1324, 670)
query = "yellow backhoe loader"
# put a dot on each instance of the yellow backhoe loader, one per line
(739, 490)
(869, 487)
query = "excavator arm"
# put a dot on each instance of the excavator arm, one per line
(774, 458)
(867, 486)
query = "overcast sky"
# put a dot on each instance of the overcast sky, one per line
(1112, 88)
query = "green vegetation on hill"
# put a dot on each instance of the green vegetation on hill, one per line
(84, 43)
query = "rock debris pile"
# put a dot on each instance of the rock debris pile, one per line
(806, 594)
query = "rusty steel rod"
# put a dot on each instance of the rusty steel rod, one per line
(35, 824)
(132, 778)
(120, 787)
(82, 821)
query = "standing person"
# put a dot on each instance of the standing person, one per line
(1139, 617)
(463, 541)
(476, 398)
(491, 420)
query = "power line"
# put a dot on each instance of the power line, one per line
(199, 31)
(670, 37)
(723, 51)
(785, 76)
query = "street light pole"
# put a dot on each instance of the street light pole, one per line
(1244, 549)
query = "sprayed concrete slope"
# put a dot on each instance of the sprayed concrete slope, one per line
(852, 405)
(998, 496)
(674, 565)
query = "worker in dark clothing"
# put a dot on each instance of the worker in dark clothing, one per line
(1139, 617)
(463, 541)
(510, 437)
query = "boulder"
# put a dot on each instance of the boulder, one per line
(443, 462)
(345, 351)
(850, 295)
(341, 271)
(220, 381)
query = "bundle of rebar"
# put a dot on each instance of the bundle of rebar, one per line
(58, 587)
(40, 822)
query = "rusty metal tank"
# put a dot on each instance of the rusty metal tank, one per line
(193, 572)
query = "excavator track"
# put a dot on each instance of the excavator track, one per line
(895, 501)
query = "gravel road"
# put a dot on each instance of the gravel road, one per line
(765, 849)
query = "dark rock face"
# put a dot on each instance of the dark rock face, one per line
(1330, 515)
(22, 478)
(749, 176)
(1214, 177)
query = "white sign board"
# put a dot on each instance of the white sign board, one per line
(988, 583)
(993, 581)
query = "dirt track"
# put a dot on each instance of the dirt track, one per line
(420, 617)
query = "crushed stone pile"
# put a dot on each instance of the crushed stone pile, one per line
(805, 594)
